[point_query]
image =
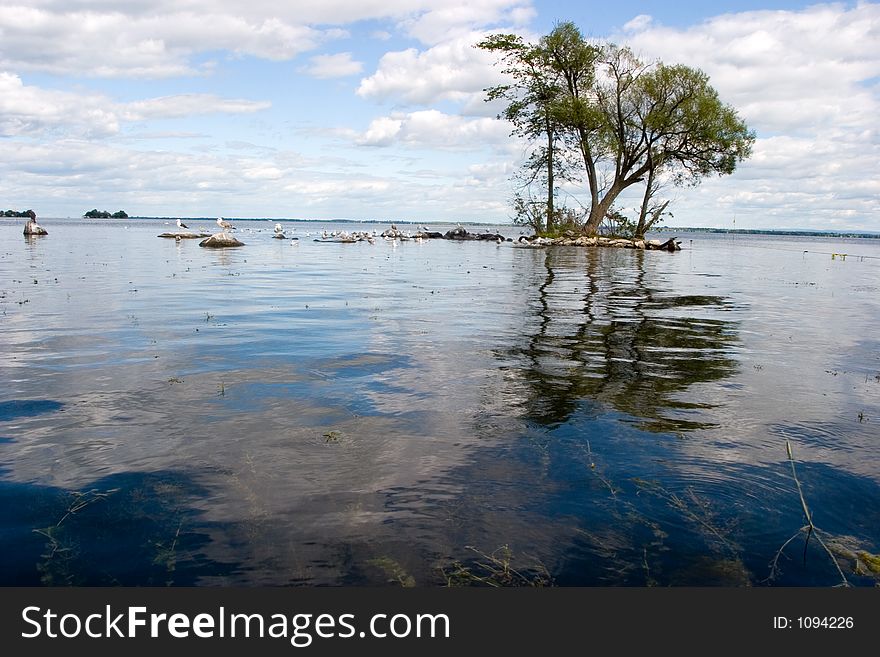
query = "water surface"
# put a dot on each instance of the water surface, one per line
(297, 413)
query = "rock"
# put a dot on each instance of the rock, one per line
(33, 228)
(220, 240)
(458, 233)
(279, 236)
(670, 245)
(394, 234)
(461, 234)
(185, 236)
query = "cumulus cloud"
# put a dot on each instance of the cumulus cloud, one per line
(339, 65)
(114, 44)
(72, 173)
(27, 110)
(784, 69)
(806, 82)
(453, 70)
(434, 129)
(453, 20)
(115, 38)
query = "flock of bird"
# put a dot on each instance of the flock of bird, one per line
(391, 235)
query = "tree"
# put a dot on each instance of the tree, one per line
(103, 214)
(532, 96)
(689, 133)
(629, 122)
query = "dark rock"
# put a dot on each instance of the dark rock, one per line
(457, 234)
(670, 245)
(461, 234)
(220, 240)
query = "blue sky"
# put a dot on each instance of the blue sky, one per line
(368, 109)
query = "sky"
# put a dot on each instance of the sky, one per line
(375, 110)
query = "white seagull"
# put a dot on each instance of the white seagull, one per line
(279, 229)
(224, 224)
(180, 224)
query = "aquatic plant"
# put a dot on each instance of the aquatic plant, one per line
(809, 529)
(495, 569)
(394, 571)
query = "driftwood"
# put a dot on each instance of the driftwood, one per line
(186, 236)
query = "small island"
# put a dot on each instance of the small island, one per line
(103, 214)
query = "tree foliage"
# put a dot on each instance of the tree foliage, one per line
(626, 121)
(103, 214)
(18, 213)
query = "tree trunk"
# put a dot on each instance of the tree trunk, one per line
(643, 213)
(550, 156)
(600, 209)
(590, 166)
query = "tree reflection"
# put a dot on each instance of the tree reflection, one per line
(602, 332)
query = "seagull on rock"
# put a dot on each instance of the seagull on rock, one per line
(180, 224)
(225, 225)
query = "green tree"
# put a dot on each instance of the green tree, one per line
(628, 122)
(533, 94)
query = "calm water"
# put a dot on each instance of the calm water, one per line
(428, 413)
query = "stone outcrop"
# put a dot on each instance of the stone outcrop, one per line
(33, 228)
(461, 234)
(220, 240)
(612, 242)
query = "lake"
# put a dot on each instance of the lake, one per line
(436, 413)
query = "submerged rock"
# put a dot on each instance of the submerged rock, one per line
(185, 236)
(220, 240)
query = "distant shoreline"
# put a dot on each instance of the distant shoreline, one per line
(770, 231)
(803, 232)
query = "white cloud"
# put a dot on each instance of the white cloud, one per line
(453, 20)
(785, 70)
(638, 24)
(806, 82)
(116, 38)
(436, 130)
(31, 111)
(381, 132)
(333, 66)
(72, 173)
(453, 70)
(169, 107)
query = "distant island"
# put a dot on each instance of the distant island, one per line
(803, 232)
(103, 214)
(15, 213)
